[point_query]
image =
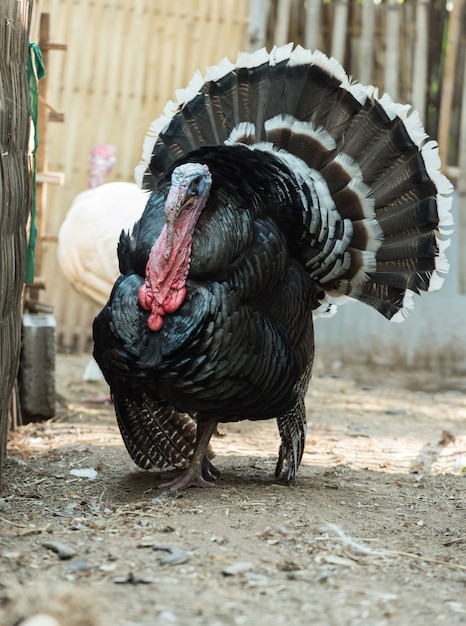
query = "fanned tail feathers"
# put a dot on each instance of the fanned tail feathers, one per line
(379, 220)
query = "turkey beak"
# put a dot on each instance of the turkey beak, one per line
(174, 205)
(185, 200)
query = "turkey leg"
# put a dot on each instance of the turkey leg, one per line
(199, 463)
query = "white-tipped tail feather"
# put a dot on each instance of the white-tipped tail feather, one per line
(356, 159)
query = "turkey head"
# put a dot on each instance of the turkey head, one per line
(167, 268)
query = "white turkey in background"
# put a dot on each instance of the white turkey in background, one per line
(88, 237)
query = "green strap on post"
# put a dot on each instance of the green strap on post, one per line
(36, 71)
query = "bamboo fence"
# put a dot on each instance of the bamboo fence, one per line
(126, 58)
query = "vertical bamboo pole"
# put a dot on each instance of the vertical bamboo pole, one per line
(340, 30)
(448, 82)
(313, 24)
(282, 24)
(43, 176)
(392, 49)
(257, 24)
(461, 191)
(41, 158)
(421, 53)
(407, 46)
(367, 42)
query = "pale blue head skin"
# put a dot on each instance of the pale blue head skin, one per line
(191, 179)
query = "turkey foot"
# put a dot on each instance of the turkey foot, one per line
(209, 473)
(199, 467)
(185, 480)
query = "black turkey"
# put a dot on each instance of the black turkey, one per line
(278, 186)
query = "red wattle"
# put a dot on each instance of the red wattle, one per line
(148, 302)
(155, 321)
(174, 300)
(145, 297)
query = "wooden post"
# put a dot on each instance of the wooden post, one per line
(421, 56)
(339, 33)
(41, 158)
(392, 54)
(313, 24)
(366, 58)
(461, 190)
(448, 83)
(15, 194)
(257, 24)
(37, 363)
(43, 177)
(282, 24)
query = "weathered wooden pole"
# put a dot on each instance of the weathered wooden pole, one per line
(392, 49)
(421, 57)
(257, 24)
(15, 192)
(449, 78)
(461, 191)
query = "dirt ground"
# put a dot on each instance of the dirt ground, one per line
(371, 533)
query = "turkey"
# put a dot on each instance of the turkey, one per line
(277, 187)
(89, 234)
